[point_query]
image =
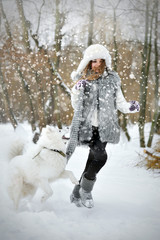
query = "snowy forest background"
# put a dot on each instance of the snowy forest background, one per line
(42, 42)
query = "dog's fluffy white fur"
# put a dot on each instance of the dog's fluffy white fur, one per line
(38, 167)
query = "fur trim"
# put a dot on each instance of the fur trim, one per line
(75, 76)
(92, 52)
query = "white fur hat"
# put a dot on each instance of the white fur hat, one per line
(92, 52)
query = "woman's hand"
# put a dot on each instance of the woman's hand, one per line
(80, 84)
(134, 106)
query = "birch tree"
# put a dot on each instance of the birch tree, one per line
(91, 23)
(146, 55)
(156, 92)
(24, 24)
(123, 121)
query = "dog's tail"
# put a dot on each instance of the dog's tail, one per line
(18, 142)
(16, 148)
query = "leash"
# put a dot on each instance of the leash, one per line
(54, 150)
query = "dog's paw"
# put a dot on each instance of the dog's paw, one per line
(75, 181)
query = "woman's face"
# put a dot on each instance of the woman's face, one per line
(95, 65)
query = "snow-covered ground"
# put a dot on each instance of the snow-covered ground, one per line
(127, 199)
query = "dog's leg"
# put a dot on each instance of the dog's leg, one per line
(15, 190)
(44, 185)
(70, 175)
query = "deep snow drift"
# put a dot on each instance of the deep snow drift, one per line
(127, 198)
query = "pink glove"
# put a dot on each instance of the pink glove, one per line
(80, 84)
(134, 106)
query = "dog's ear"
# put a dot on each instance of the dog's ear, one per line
(49, 129)
(46, 129)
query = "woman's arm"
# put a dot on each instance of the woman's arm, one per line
(74, 96)
(124, 106)
(75, 92)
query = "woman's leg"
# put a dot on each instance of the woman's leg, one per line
(97, 156)
(96, 160)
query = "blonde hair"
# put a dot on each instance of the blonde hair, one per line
(90, 74)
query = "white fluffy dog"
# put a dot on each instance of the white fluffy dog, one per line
(38, 166)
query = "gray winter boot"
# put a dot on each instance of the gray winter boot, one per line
(85, 192)
(75, 196)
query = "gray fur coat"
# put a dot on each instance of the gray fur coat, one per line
(101, 94)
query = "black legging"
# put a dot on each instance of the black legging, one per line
(97, 156)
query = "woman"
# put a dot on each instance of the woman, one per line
(95, 98)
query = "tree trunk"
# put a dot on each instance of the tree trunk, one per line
(23, 20)
(29, 96)
(58, 42)
(123, 122)
(157, 108)
(144, 75)
(115, 59)
(6, 95)
(5, 92)
(7, 27)
(91, 21)
(158, 124)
